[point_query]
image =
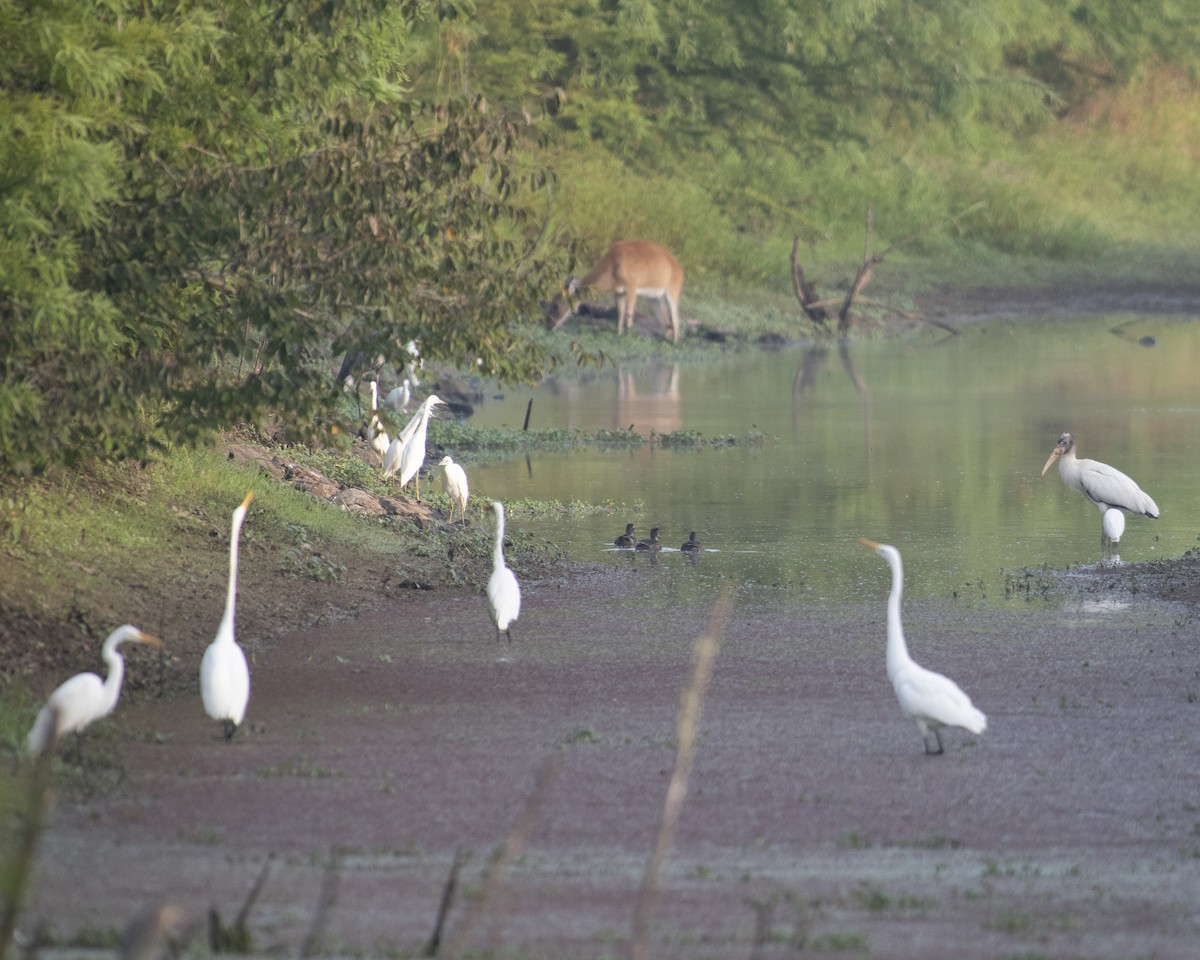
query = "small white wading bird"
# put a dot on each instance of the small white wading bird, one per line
(454, 482)
(1107, 487)
(224, 674)
(930, 699)
(375, 432)
(503, 591)
(85, 698)
(413, 454)
(400, 397)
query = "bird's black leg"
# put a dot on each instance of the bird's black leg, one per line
(508, 633)
(938, 738)
(230, 729)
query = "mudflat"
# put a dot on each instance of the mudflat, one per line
(380, 750)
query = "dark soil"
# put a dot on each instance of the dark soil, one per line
(389, 733)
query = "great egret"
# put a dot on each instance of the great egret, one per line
(454, 482)
(391, 461)
(693, 545)
(503, 591)
(413, 454)
(1107, 487)
(375, 432)
(652, 544)
(930, 699)
(627, 539)
(224, 675)
(85, 698)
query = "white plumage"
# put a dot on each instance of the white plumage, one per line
(413, 454)
(454, 482)
(503, 591)
(933, 701)
(1113, 523)
(85, 698)
(224, 673)
(375, 433)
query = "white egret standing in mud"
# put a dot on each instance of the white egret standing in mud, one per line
(930, 699)
(224, 673)
(1113, 523)
(85, 698)
(1107, 487)
(454, 481)
(503, 591)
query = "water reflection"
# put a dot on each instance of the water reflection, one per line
(932, 443)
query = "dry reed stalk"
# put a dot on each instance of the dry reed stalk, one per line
(704, 656)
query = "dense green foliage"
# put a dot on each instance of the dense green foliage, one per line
(203, 204)
(200, 202)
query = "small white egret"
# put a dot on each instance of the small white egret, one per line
(503, 591)
(375, 432)
(1107, 487)
(454, 482)
(413, 454)
(1113, 522)
(85, 698)
(693, 545)
(392, 459)
(627, 539)
(930, 699)
(652, 544)
(224, 674)
(400, 397)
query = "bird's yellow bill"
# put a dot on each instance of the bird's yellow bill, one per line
(249, 497)
(869, 543)
(1054, 456)
(146, 638)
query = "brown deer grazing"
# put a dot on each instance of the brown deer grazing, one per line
(630, 269)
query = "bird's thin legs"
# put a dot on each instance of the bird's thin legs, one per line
(230, 729)
(938, 739)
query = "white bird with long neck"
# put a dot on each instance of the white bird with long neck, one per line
(85, 698)
(1107, 487)
(413, 454)
(454, 482)
(224, 673)
(503, 591)
(930, 699)
(376, 434)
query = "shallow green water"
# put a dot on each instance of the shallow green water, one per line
(933, 444)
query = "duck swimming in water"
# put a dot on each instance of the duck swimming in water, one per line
(653, 543)
(693, 545)
(627, 539)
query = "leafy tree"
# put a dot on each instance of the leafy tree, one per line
(199, 201)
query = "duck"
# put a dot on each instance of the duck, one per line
(693, 545)
(627, 539)
(652, 544)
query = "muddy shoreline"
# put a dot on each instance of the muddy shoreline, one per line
(380, 748)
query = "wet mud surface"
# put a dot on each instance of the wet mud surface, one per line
(380, 748)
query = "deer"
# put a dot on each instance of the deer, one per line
(630, 269)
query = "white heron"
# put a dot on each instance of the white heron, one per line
(930, 699)
(693, 545)
(224, 674)
(503, 591)
(653, 544)
(454, 482)
(1113, 524)
(1107, 487)
(400, 397)
(377, 436)
(391, 460)
(85, 698)
(627, 539)
(413, 454)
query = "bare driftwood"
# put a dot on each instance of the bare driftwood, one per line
(816, 309)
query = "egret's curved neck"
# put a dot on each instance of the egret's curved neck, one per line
(116, 673)
(231, 594)
(897, 649)
(374, 397)
(498, 549)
